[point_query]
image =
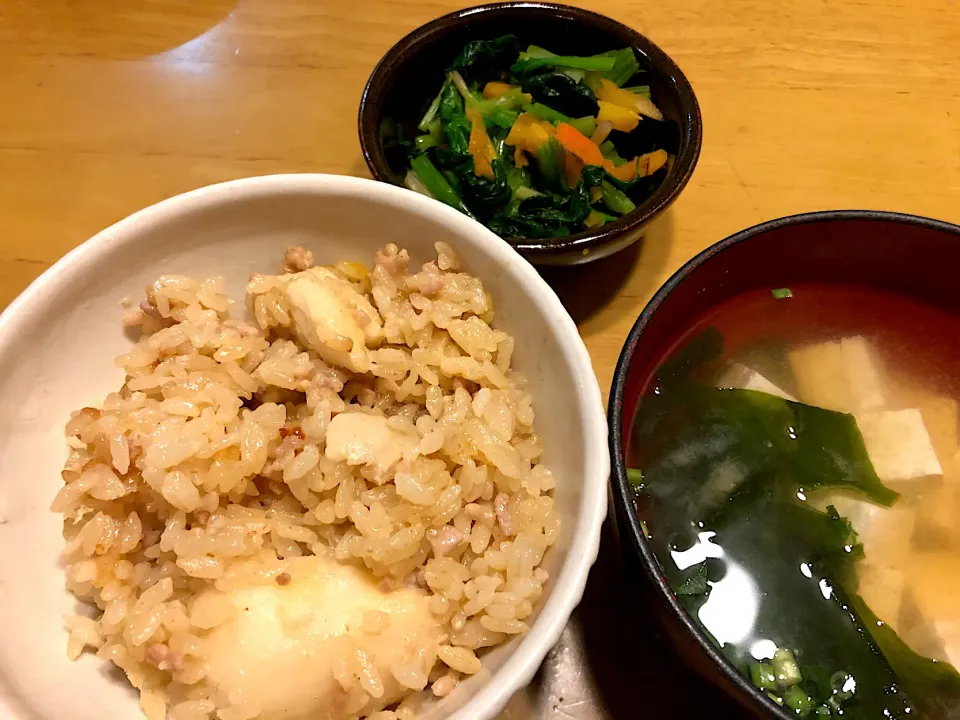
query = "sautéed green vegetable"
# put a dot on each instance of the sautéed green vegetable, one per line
(536, 144)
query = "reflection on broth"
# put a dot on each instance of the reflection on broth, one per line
(799, 473)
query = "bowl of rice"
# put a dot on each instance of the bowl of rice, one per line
(297, 446)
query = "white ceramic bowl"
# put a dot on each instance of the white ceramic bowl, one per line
(59, 338)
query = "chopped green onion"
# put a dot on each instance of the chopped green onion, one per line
(646, 530)
(781, 293)
(797, 700)
(824, 711)
(634, 475)
(786, 668)
(435, 182)
(763, 676)
(844, 686)
(616, 200)
(776, 698)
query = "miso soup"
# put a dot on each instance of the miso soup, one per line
(796, 462)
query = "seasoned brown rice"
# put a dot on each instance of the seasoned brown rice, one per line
(401, 448)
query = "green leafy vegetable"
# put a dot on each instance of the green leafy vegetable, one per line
(781, 293)
(535, 59)
(482, 60)
(562, 93)
(534, 190)
(635, 478)
(456, 126)
(625, 66)
(481, 192)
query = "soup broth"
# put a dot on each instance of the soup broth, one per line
(797, 470)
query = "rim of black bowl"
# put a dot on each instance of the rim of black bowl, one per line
(677, 178)
(621, 488)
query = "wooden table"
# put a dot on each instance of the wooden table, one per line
(110, 105)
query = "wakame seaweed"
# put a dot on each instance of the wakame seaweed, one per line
(740, 464)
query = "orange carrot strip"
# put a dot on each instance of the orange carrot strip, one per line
(480, 146)
(579, 144)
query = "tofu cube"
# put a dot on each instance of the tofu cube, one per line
(939, 415)
(740, 376)
(938, 513)
(886, 533)
(934, 582)
(898, 445)
(882, 590)
(843, 375)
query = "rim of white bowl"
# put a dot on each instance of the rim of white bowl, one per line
(520, 667)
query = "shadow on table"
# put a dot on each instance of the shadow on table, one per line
(611, 663)
(586, 289)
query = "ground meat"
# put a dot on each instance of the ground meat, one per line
(148, 308)
(445, 540)
(297, 259)
(393, 260)
(162, 658)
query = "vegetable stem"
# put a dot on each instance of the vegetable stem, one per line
(435, 183)
(615, 200)
(431, 112)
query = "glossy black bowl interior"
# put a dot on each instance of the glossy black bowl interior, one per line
(408, 77)
(898, 253)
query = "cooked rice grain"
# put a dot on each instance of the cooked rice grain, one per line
(222, 456)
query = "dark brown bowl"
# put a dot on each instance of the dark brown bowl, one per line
(406, 79)
(905, 254)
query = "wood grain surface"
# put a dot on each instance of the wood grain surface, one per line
(111, 105)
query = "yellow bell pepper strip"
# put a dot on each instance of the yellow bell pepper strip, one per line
(520, 158)
(595, 194)
(495, 89)
(608, 92)
(621, 118)
(572, 167)
(624, 173)
(578, 144)
(651, 162)
(529, 133)
(480, 147)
